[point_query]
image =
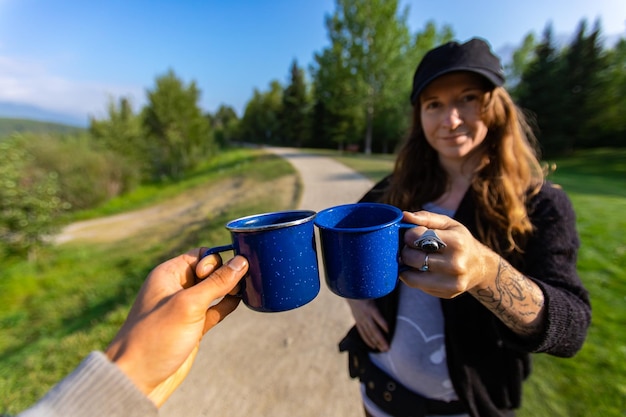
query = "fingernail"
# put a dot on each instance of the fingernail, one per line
(208, 266)
(237, 263)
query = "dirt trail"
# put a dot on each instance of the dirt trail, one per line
(187, 208)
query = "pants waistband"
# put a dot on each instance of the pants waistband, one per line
(393, 397)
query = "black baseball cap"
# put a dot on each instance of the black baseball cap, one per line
(474, 55)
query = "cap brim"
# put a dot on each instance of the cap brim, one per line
(494, 79)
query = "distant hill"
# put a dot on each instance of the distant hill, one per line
(30, 112)
(9, 126)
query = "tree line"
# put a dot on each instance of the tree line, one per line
(357, 96)
(354, 96)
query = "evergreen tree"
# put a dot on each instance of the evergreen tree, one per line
(225, 124)
(539, 94)
(583, 90)
(260, 121)
(609, 122)
(294, 117)
(569, 91)
(521, 59)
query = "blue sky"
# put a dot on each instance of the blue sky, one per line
(71, 56)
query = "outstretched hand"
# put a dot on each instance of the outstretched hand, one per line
(175, 307)
(466, 265)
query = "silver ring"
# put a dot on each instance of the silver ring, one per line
(429, 242)
(424, 268)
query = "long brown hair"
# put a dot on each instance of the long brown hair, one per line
(509, 173)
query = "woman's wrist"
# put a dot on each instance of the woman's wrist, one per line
(489, 272)
(514, 298)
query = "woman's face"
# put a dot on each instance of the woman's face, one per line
(450, 112)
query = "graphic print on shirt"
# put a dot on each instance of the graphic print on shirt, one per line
(417, 355)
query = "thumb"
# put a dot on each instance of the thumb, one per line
(220, 284)
(222, 281)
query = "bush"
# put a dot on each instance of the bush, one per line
(87, 176)
(30, 204)
(42, 176)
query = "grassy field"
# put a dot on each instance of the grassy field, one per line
(593, 383)
(74, 298)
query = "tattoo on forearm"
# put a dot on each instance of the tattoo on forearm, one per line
(515, 299)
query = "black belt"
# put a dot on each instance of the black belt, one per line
(392, 397)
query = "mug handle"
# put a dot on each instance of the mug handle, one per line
(218, 249)
(403, 228)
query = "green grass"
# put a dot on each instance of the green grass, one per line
(75, 297)
(593, 383)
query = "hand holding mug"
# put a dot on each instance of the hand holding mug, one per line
(462, 265)
(159, 341)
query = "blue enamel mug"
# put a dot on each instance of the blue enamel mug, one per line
(282, 257)
(360, 246)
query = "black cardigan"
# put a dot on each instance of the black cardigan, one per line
(488, 362)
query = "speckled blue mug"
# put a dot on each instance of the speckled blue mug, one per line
(280, 249)
(360, 246)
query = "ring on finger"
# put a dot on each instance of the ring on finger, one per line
(425, 267)
(429, 242)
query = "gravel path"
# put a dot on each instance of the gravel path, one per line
(281, 364)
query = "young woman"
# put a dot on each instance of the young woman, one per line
(454, 337)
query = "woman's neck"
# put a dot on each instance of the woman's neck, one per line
(455, 191)
(459, 181)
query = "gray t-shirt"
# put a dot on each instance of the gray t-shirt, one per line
(417, 355)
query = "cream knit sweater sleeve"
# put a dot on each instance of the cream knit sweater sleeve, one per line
(95, 388)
